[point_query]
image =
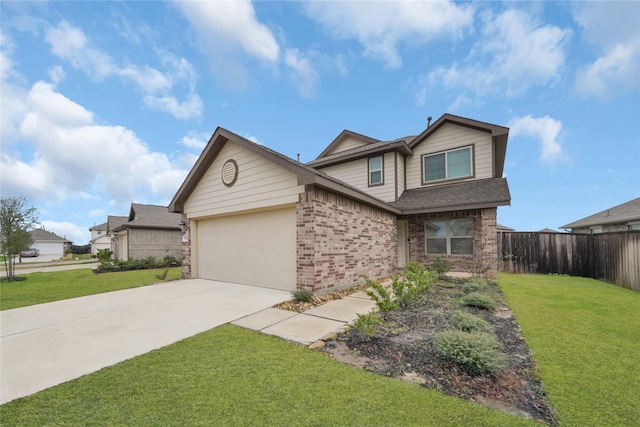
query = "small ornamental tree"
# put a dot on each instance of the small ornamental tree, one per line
(15, 219)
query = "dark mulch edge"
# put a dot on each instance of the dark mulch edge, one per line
(404, 348)
(118, 270)
(15, 279)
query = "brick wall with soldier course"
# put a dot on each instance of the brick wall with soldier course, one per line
(340, 239)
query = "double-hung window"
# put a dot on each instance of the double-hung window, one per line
(449, 237)
(375, 171)
(447, 165)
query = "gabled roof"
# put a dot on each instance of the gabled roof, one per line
(306, 175)
(42, 235)
(99, 227)
(151, 216)
(499, 135)
(629, 211)
(344, 135)
(114, 222)
(364, 151)
(480, 194)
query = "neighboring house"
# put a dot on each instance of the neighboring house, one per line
(149, 231)
(363, 207)
(99, 238)
(618, 218)
(49, 243)
(114, 222)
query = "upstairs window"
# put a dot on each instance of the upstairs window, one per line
(452, 237)
(375, 171)
(447, 165)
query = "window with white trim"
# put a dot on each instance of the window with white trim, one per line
(449, 237)
(634, 226)
(447, 165)
(596, 230)
(375, 171)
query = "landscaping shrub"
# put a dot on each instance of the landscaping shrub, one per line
(478, 300)
(380, 295)
(467, 322)
(439, 267)
(477, 284)
(366, 324)
(302, 295)
(478, 353)
(136, 263)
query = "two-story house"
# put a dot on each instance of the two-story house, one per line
(363, 207)
(99, 238)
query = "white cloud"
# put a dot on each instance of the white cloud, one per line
(513, 53)
(195, 140)
(232, 25)
(75, 158)
(545, 129)
(304, 72)
(612, 29)
(381, 26)
(70, 43)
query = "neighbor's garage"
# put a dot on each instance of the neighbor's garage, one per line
(254, 249)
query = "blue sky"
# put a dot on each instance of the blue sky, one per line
(108, 103)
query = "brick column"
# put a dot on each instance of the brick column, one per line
(186, 248)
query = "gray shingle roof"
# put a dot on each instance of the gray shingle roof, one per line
(40, 234)
(151, 216)
(99, 227)
(629, 211)
(114, 222)
(364, 150)
(465, 195)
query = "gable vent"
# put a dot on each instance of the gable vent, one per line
(229, 172)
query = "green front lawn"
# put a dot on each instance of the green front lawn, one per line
(585, 336)
(235, 377)
(54, 286)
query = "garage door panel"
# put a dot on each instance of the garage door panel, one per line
(255, 249)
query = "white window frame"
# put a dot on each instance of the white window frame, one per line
(371, 171)
(446, 166)
(448, 237)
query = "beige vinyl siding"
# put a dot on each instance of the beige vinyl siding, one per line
(400, 174)
(451, 136)
(347, 144)
(356, 174)
(261, 183)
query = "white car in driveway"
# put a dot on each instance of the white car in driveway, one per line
(31, 252)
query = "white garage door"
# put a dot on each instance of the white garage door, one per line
(253, 249)
(49, 248)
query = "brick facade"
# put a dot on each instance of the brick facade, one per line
(485, 243)
(156, 243)
(340, 239)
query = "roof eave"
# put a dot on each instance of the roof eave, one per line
(399, 146)
(456, 207)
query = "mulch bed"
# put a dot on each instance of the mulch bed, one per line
(404, 348)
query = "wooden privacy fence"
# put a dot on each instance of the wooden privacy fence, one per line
(611, 257)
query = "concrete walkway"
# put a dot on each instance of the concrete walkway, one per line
(48, 344)
(312, 325)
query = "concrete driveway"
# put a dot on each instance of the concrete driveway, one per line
(48, 344)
